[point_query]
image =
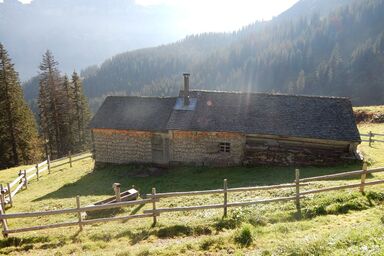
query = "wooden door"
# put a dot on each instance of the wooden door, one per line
(160, 148)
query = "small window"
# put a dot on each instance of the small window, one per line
(225, 147)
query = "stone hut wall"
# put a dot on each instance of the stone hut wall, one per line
(121, 146)
(203, 148)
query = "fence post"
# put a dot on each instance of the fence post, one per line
(70, 158)
(4, 223)
(116, 188)
(363, 177)
(37, 171)
(49, 163)
(297, 181)
(25, 179)
(79, 213)
(2, 198)
(154, 206)
(370, 138)
(225, 197)
(9, 194)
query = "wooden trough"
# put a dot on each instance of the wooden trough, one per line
(128, 195)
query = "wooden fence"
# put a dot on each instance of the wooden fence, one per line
(371, 137)
(8, 192)
(154, 198)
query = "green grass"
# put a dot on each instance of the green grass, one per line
(370, 109)
(339, 223)
(374, 154)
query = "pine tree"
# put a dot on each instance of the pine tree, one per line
(70, 111)
(53, 107)
(19, 142)
(82, 114)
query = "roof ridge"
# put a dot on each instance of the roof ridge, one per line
(270, 94)
(141, 97)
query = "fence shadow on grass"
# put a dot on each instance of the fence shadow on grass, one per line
(99, 181)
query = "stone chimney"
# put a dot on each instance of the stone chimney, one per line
(186, 89)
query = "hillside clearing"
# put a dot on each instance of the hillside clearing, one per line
(341, 223)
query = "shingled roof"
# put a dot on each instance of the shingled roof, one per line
(134, 113)
(327, 118)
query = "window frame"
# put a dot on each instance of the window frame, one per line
(225, 147)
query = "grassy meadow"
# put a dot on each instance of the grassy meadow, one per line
(335, 223)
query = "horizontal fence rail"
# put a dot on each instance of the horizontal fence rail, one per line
(154, 198)
(342, 175)
(9, 191)
(220, 191)
(78, 210)
(215, 206)
(371, 137)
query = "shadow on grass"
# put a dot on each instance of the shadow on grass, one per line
(99, 181)
(163, 233)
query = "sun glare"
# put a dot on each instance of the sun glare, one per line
(221, 15)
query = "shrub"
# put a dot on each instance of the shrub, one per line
(202, 231)
(341, 204)
(174, 231)
(375, 196)
(244, 237)
(226, 224)
(258, 220)
(207, 243)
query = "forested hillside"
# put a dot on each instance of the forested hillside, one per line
(334, 48)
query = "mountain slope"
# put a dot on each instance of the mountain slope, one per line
(336, 50)
(76, 31)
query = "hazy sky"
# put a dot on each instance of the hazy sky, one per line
(197, 15)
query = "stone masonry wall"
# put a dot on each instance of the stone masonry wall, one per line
(202, 148)
(118, 146)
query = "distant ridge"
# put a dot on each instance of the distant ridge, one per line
(332, 49)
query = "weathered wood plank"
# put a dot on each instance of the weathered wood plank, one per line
(82, 153)
(215, 206)
(288, 185)
(34, 228)
(186, 193)
(18, 179)
(42, 163)
(75, 210)
(219, 191)
(331, 176)
(31, 176)
(31, 169)
(341, 187)
(4, 222)
(74, 223)
(17, 189)
(342, 174)
(43, 169)
(80, 218)
(147, 215)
